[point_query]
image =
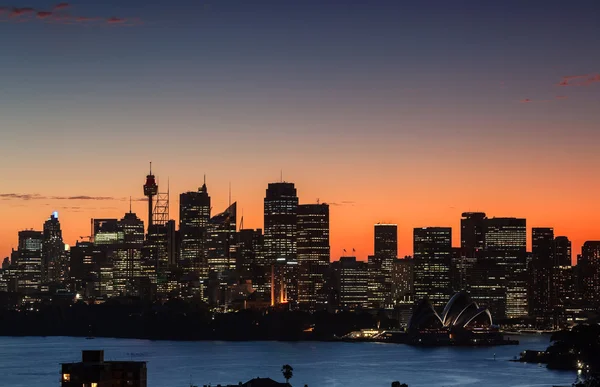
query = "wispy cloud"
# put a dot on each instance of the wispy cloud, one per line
(579, 80)
(59, 14)
(526, 100)
(35, 196)
(561, 97)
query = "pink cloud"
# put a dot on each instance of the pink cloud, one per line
(17, 12)
(561, 97)
(60, 6)
(44, 14)
(579, 80)
(526, 100)
(115, 20)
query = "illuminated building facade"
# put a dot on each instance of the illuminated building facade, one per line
(504, 266)
(313, 254)
(194, 215)
(280, 225)
(29, 261)
(351, 280)
(127, 258)
(433, 257)
(563, 282)
(221, 241)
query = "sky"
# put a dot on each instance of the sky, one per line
(407, 112)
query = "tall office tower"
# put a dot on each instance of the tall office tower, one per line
(127, 258)
(402, 279)
(250, 251)
(504, 267)
(461, 270)
(540, 274)
(563, 286)
(432, 252)
(380, 265)
(221, 241)
(29, 262)
(588, 270)
(194, 215)
(313, 254)
(54, 266)
(161, 246)
(280, 225)
(350, 283)
(472, 235)
(85, 272)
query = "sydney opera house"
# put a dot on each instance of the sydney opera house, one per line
(462, 322)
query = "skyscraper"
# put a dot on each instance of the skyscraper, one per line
(380, 265)
(588, 270)
(54, 265)
(472, 235)
(350, 279)
(281, 220)
(432, 255)
(313, 254)
(194, 215)
(280, 225)
(29, 262)
(221, 240)
(504, 259)
(540, 273)
(563, 285)
(127, 258)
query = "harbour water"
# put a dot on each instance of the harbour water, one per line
(34, 361)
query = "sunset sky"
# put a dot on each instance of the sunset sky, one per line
(391, 111)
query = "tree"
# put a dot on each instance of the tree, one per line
(287, 372)
(397, 384)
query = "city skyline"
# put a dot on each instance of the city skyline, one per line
(390, 113)
(138, 205)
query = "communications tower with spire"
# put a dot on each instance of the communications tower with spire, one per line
(150, 191)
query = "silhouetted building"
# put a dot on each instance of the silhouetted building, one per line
(588, 270)
(313, 254)
(380, 265)
(402, 279)
(351, 278)
(563, 281)
(251, 262)
(540, 273)
(194, 215)
(94, 371)
(432, 254)
(472, 233)
(54, 265)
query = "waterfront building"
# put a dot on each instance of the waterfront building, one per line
(94, 371)
(433, 256)
(313, 254)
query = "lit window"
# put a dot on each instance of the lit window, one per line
(94, 385)
(66, 377)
